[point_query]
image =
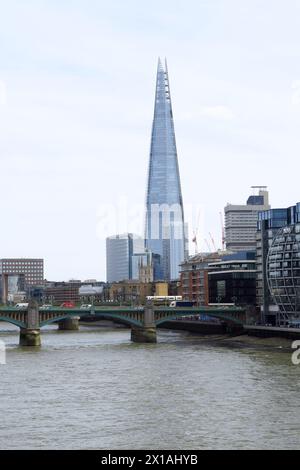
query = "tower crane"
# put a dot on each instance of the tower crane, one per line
(223, 232)
(213, 242)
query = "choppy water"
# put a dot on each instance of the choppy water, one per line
(94, 389)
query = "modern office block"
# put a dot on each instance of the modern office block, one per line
(241, 222)
(277, 253)
(233, 280)
(119, 252)
(30, 268)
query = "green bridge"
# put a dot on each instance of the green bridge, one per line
(143, 321)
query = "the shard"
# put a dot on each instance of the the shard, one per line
(165, 228)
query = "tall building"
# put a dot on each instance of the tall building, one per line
(277, 254)
(30, 268)
(241, 222)
(119, 253)
(18, 274)
(165, 229)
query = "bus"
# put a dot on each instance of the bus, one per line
(163, 299)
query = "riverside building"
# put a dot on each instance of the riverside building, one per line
(278, 264)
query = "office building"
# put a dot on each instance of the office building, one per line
(119, 252)
(241, 222)
(30, 271)
(277, 254)
(59, 292)
(233, 280)
(165, 233)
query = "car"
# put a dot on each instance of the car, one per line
(22, 306)
(46, 306)
(68, 304)
(85, 307)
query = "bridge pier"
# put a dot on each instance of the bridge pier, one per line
(31, 334)
(69, 324)
(147, 332)
(29, 337)
(143, 335)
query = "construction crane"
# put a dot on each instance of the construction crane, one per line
(223, 232)
(208, 245)
(194, 240)
(213, 242)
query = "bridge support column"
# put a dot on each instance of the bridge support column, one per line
(30, 337)
(4, 288)
(143, 335)
(147, 332)
(69, 324)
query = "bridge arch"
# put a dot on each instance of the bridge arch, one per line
(100, 315)
(13, 321)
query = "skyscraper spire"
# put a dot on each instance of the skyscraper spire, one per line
(164, 211)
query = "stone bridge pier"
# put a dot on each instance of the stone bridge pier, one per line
(31, 335)
(147, 332)
(69, 324)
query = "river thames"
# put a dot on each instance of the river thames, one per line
(94, 389)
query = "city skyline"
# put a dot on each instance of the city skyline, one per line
(73, 111)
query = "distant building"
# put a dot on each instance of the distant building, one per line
(241, 222)
(31, 268)
(219, 278)
(119, 252)
(233, 280)
(194, 277)
(145, 266)
(18, 274)
(166, 232)
(134, 292)
(277, 255)
(91, 292)
(59, 292)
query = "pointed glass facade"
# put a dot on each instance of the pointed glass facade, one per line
(165, 229)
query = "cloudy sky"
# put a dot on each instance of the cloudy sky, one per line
(77, 80)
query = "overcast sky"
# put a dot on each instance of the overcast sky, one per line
(77, 82)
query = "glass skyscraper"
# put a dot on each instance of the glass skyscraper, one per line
(120, 250)
(165, 228)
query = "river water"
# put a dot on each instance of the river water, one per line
(94, 389)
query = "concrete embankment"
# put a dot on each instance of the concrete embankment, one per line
(253, 337)
(195, 326)
(272, 332)
(215, 333)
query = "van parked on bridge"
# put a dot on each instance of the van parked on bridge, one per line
(22, 306)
